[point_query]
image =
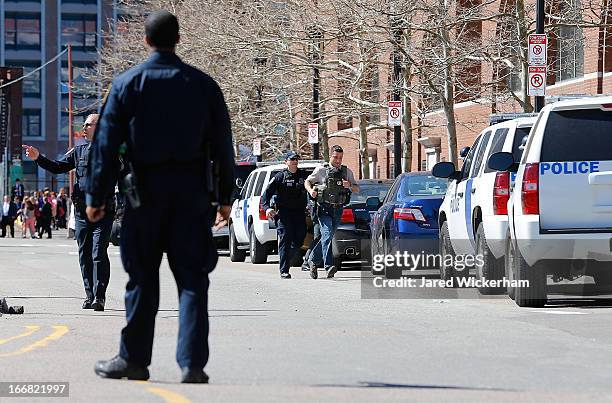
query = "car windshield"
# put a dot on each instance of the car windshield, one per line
(421, 185)
(370, 190)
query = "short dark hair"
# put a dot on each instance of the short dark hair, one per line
(17, 180)
(337, 149)
(162, 29)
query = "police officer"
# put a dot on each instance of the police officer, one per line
(92, 238)
(338, 180)
(288, 186)
(171, 117)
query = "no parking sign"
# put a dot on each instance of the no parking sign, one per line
(537, 81)
(394, 117)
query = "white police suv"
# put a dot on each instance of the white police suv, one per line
(473, 217)
(560, 213)
(249, 228)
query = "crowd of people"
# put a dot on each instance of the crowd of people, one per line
(36, 213)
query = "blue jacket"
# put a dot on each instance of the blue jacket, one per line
(165, 111)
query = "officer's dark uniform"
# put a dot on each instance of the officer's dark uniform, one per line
(291, 217)
(166, 112)
(92, 238)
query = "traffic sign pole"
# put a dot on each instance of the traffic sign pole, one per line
(539, 100)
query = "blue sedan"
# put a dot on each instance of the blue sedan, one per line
(406, 225)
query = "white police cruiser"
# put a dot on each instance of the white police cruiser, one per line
(249, 228)
(560, 214)
(473, 217)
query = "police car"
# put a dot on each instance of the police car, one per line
(560, 214)
(473, 217)
(249, 228)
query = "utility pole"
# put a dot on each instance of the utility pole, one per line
(70, 114)
(397, 79)
(316, 85)
(539, 101)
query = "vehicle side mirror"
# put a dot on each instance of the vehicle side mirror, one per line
(502, 161)
(445, 170)
(464, 152)
(373, 201)
(239, 183)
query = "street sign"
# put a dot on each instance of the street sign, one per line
(537, 81)
(537, 49)
(257, 147)
(394, 117)
(313, 133)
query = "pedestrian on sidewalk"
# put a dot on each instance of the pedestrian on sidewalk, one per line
(9, 215)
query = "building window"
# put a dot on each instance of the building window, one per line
(79, 31)
(83, 88)
(30, 125)
(22, 31)
(31, 84)
(568, 42)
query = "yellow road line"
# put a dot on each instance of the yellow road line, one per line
(169, 396)
(31, 329)
(57, 333)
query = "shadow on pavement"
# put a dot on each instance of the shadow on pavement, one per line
(411, 386)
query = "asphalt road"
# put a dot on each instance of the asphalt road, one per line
(302, 340)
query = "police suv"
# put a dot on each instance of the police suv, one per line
(473, 217)
(560, 214)
(249, 228)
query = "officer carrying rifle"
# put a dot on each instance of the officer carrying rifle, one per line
(331, 185)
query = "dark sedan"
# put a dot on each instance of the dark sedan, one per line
(407, 222)
(351, 240)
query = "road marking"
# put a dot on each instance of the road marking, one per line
(560, 312)
(57, 333)
(31, 329)
(169, 396)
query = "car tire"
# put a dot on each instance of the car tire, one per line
(509, 267)
(492, 268)
(533, 296)
(298, 258)
(258, 251)
(337, 261)
(603, 278)
(236, 255)
(447, 272)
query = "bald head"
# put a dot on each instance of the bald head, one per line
(89, 126)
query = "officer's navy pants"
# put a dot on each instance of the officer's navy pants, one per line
(160, 225)
(291, 229)
(92, 239)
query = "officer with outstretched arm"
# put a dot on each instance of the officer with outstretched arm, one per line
(172, 117)
(331, 185)
(92, 237)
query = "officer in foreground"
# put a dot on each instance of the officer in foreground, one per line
(171, 117)
(290, 213)
(331, 185)
(92, 237)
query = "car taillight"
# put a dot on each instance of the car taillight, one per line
(501, 193)
(408, 214)
(262, 212)
(529, 189)
(347, 216)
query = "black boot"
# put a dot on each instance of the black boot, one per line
(117, 368)
(194, 375)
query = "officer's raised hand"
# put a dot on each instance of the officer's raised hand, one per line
(31, 152)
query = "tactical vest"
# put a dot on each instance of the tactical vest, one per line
(333, 191)
(291, 192)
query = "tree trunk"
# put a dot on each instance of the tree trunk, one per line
(449, 99)
(522, 37)
(363, 146)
